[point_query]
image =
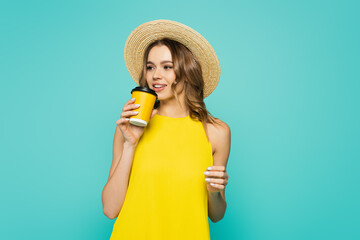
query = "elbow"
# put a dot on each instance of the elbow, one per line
(109, 214)
(109, 211)
(215, 220)
(219, 215)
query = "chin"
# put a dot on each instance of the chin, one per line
(162, 96)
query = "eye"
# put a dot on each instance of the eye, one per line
(149, 68)
(168, 67)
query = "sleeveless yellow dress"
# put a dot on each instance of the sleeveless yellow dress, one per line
(167, 195)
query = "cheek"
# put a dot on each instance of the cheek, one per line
(172, 76)
(147, 77)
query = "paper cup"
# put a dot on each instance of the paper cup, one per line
(146, 98)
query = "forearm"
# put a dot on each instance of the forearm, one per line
(217, 206)
(114, 192)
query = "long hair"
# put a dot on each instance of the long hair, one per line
(187, 70)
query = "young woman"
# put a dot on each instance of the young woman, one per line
(166, 179)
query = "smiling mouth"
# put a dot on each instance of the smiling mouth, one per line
(159, 87)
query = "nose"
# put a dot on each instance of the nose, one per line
(157, 74)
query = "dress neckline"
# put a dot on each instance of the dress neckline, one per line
(162, 116)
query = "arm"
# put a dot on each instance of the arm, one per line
(114, 192)
(125, 141)
(220, 138)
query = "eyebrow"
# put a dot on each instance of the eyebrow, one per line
(162, 62)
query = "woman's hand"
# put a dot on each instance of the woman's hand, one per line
(131, 133)
(216, 178)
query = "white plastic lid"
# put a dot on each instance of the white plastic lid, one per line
(138, 122)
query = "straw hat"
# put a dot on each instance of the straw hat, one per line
(147, 33)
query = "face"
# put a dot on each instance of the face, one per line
(160, 74)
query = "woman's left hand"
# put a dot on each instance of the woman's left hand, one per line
(216, 178)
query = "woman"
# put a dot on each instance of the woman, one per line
(166, 179)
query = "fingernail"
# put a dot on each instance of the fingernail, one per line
(135, 112)
(212, 184)
(207, 179)
(209, 168)
(132, 99)
(137, 105)
(206, 173)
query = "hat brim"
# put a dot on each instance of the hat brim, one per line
(145, 34)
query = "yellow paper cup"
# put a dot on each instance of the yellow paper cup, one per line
(146, 98)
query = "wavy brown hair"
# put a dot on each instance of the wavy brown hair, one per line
(187, 70)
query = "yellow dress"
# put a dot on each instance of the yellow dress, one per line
(167, 195)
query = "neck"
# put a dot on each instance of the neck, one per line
(173, 108)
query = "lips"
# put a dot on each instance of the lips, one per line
(159, 87)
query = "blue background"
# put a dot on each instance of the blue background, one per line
(289, 91)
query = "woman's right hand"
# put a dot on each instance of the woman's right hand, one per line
(131, 133)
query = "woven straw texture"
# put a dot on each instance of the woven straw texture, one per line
(146, 33)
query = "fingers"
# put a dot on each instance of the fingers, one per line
(217, 177)
(127, 111)
(217, 181)
(130, 101)
(128, 114)
(122, 121)
(129, 105)
(216, 174)
(217, 168)
(221, 187)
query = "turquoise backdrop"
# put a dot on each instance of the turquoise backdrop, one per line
(289, 91)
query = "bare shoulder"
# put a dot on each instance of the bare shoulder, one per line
(219, 135)
(218, 129)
